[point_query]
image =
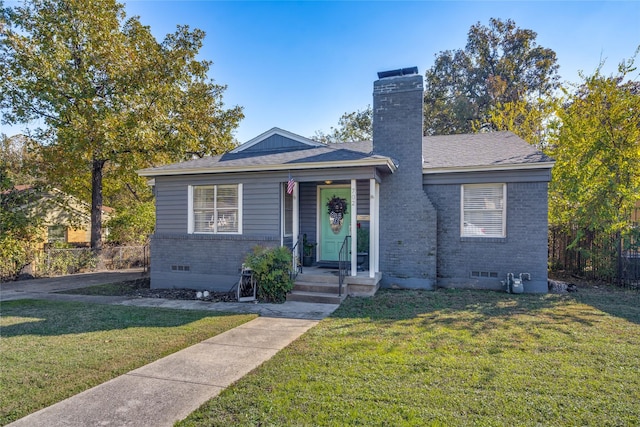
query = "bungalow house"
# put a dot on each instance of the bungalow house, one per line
(64, 218)
(452, 211)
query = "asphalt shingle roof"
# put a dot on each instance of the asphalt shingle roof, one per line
(479, 149)
(439, 152)
(329, 153)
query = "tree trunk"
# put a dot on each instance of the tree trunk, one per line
(96, 205)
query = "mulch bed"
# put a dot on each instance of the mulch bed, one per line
(141, 288)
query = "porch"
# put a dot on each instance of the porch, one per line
(318, 232)
(322, 285)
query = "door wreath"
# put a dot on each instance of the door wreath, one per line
(337, 209)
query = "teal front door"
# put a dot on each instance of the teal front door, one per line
(335, 220)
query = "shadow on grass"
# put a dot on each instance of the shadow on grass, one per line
(53, 318)
(618, 302)
(476, 312)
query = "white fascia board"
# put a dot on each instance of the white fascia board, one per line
(268, 168)
(488, 168)
(272, 132)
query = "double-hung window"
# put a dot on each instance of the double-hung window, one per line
(215, 209)
(483, 210)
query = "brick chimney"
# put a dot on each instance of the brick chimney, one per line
(407, 217)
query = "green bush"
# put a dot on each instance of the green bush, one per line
(363, 239)
(62, 259)
(271, 268)
(15, 254)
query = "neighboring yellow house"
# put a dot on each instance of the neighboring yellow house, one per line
(65, 218)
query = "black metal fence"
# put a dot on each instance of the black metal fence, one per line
(604, 257)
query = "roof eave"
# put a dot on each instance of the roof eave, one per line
(268, 168)
(489, 168)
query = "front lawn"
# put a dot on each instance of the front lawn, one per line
(451, 358)
(52, 350)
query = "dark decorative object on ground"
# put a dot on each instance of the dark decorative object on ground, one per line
(559, 287)
(307, 255)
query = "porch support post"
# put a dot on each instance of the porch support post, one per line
(354, 228)
(295, 225)
(373, 227)
(376, 227)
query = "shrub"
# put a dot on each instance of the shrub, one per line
(271, 268)
(133, 224)
(15, 254)
(61, 259)
(363, 239)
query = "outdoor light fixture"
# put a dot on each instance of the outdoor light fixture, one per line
(328, 182)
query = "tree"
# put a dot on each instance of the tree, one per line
(18, 158)
(530, 120)
(18, 226)
(500, 64)
(596, 179)
(111, 99)
(355, 126)
(133, 224)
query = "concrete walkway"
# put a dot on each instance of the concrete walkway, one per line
(169, 389)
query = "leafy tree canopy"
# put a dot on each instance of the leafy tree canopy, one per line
(500, 64)
(111, 99)
(531, 120)
(18, 159)
(596, 179)
(355, 126)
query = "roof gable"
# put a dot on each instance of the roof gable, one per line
(276, 140)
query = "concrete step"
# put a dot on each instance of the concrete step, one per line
(316, 297)
(328, 277)
(323, 288)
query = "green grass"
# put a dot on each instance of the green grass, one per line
(451, 358)
(110, 289)
(52, 350)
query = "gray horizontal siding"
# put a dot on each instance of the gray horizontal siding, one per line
(261, 208)
(522, 175)
(171, 206)
(262, 193)
(261, 203)
(363, 197)
(308, 208)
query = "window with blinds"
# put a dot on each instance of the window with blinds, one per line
(215, 209)
(483, 210)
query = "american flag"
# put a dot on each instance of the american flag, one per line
(290, 184)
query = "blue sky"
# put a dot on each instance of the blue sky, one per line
(301, 65)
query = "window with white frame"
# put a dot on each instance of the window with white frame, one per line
(287, 211)
(484, 211)
(215, 208)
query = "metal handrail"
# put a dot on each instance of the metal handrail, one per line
(296, 265)
(343, 262)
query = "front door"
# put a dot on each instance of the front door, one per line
(335, 220)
